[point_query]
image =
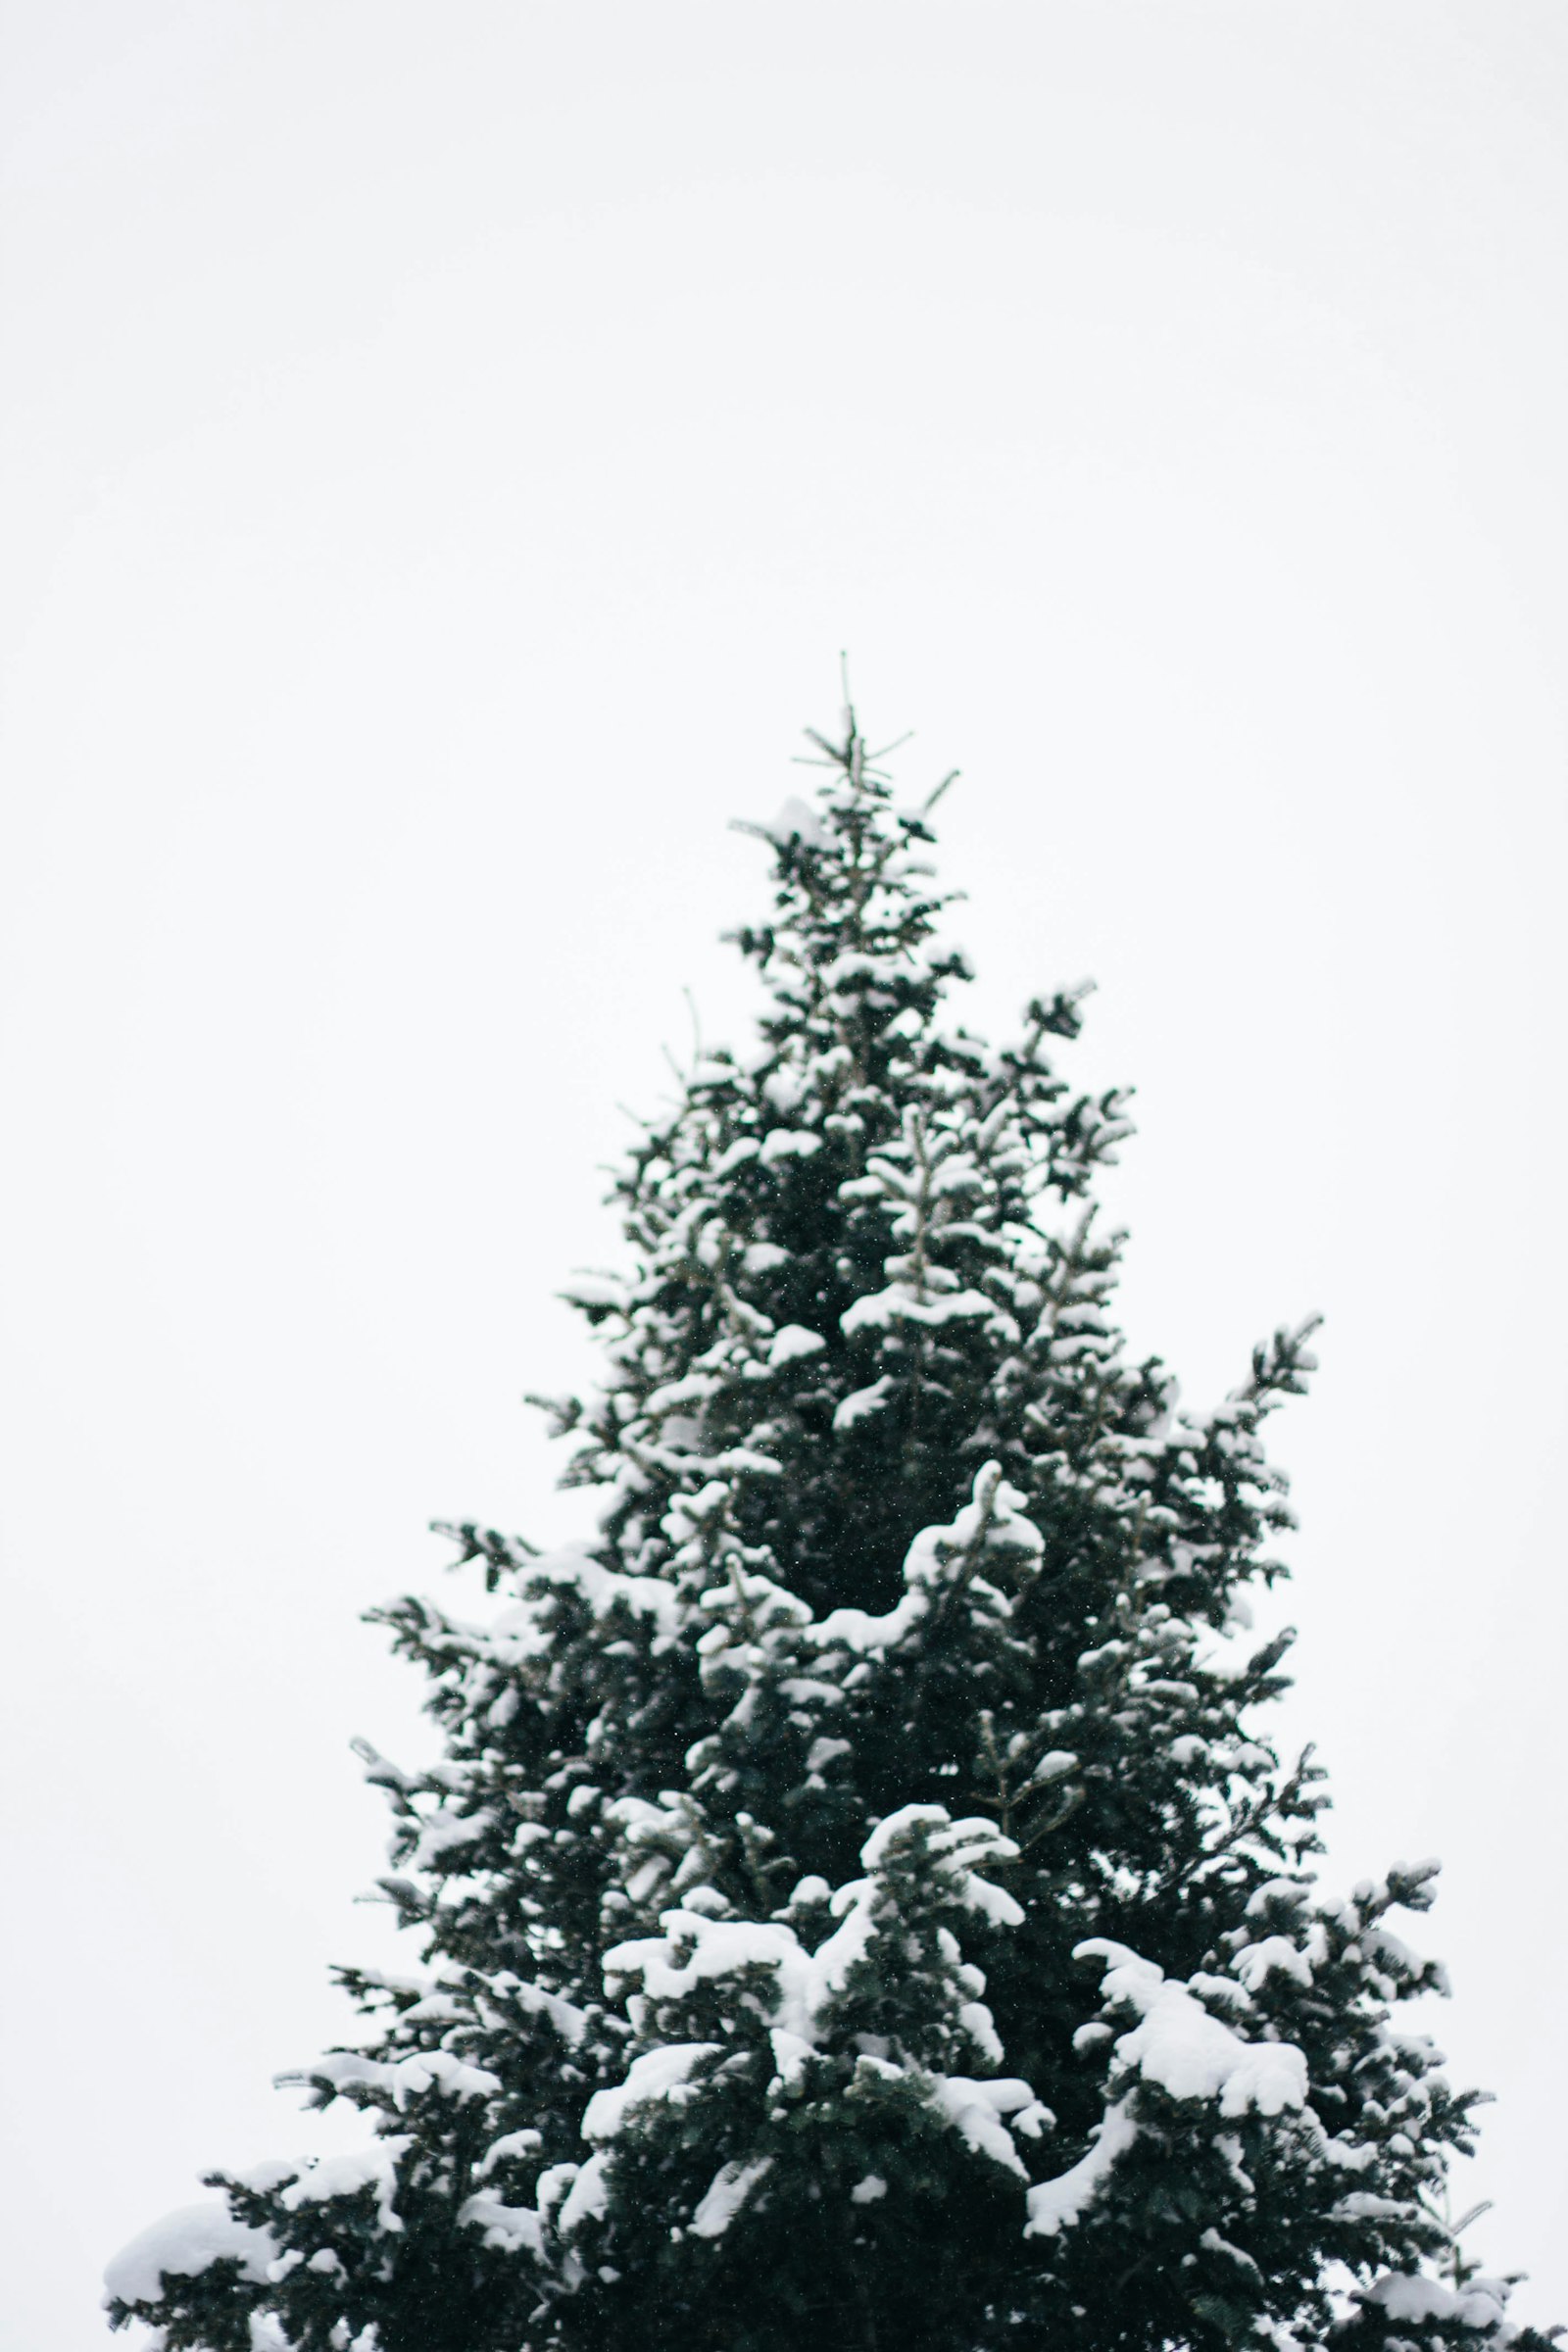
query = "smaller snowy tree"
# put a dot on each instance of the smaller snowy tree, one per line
(860, 1904)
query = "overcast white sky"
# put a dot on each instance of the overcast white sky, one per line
(445, 449)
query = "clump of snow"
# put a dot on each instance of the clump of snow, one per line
(569, 2021)
(510, 2143)
(860, 1404)
(1182, 2048)
(796, 820)
(1054, 2205)
(1257, 1962)
(588, 2196)
(974, 2109)
(991, 1528)
(958, 1845)
(880, 1310)
(788, 1143)
(1187, 2051)
(184, 2244)
(596, 1290)
(574, 1565)
(512, 2228)
(374, 2167)
(1403, 2296)
(787, 1345)
(402, 2077)
(713, 1948)
(652, 2075)
(725, 2195)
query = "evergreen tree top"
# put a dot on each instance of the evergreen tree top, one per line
(856, 1895)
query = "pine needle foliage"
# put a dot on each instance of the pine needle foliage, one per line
(858, 1905)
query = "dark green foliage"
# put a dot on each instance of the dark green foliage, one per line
(897, 1730)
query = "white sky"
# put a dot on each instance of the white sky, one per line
(445, 449)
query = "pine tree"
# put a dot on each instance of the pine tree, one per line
(857, 1906)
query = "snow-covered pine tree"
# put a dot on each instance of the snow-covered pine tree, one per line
(858, 1907)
